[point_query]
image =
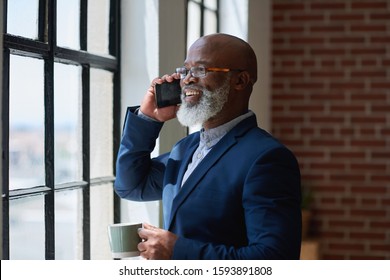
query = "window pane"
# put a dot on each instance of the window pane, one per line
(68, 23)
(102, 215)
(26, 143)
(101, 122)
(23, 18)
(27, 229)
(68, 225)
(67, 123)
(210, 22)
(98, 26)
(211, 4)
(193, 23)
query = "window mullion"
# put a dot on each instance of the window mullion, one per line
(86, 161)
(49, 134)
(5, 157)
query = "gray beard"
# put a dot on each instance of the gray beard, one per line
(210, 104)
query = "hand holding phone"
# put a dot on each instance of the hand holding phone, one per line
(168, 93)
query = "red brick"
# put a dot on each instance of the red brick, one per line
(368, 213)
(369, 190)
(368, 143)
(369, 202)
(310, 108)
(379, 85)
(368, 51)
(368, 74)
(380, 247)
(307, 41)
(347, 177)
(346, 223)
(327, 74)
(283, 7)
(347, 155)
(346, 85)
(328, 51)
(380, 178)
(327, 143)
(369, 119)
(327, 119)
(331, 96)
(369, 62)
(307, 17)
(348, 201)
(309, 154)
(380, 16)
(367, 235)
(288, 29)
(345, 246)
(327, 28)
(383, 39)
(347, 108)
(380, 108)
(328, 166)
(369, 97)
(355, 5)
(383, 225)
(306, 85)
(288, 52)
(346, 17)
(334, 188)
(328, 6)
(381, 155)
(346, 40)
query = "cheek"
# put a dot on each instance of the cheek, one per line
(212, 82)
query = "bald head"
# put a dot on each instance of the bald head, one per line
(228, 51)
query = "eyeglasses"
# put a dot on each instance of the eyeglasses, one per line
(201, 71)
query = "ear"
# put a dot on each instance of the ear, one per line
(242, 80)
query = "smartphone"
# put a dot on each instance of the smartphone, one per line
(168, 93)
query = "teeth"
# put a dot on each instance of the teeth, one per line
(191, 93)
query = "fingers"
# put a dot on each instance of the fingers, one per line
(149, 236)
(165, 78)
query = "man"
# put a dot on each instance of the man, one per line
(230, 191)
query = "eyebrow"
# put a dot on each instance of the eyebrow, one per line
(202, 62)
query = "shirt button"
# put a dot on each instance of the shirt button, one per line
(199, 155)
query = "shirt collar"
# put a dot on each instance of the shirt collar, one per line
(211, 136)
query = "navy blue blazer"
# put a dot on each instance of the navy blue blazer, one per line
(241, 202)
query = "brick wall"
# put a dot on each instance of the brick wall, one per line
(331, 106)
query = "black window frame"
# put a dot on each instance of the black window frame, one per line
(45, 48)
(203, 8)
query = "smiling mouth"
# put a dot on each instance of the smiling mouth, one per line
(192, 93)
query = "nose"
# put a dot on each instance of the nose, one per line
(189, 79)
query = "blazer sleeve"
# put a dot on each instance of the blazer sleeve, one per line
(271, 201)
(138, 177)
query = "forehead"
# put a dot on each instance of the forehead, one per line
(204, 53)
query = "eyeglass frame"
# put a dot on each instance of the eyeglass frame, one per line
(206, 70)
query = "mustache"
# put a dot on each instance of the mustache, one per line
(190, 87)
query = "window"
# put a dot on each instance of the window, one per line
(202, 19)
(61, 127)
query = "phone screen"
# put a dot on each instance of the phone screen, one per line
(168, 94)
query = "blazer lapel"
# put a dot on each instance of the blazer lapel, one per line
(171, 191)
